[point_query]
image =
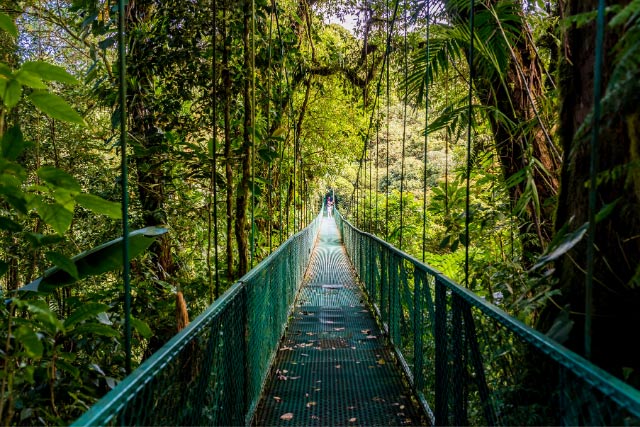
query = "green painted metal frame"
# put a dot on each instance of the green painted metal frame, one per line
(213, 371)
(470, 361)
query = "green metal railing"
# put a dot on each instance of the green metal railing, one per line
(212, 372)
(472, 363)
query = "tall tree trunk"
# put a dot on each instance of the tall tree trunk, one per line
(147, 138)
(616, 288)
(242, 193)
(517, 151)
(228, 170)
(516, 98)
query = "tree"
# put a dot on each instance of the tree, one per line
(616, 286)
(509, 82)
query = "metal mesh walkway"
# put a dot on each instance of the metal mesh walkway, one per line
(334, 367)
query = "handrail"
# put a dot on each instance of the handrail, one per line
(212, 372)
(470, 360)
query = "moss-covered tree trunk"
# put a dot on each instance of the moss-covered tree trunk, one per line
(146, 138)
(228, 169)
(616, 288)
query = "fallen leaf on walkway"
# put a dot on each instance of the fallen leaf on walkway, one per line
(338, 366)
(352, 420)
(310, 404)
(288, 416)
(381, 362)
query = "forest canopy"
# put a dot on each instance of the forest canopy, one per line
(243, 116)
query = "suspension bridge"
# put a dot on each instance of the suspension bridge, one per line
(337, 327)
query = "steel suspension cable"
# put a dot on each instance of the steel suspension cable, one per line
(377, 161)
(125, 183)
(593, 171)
(291, 119)
(388, 90)
(214, 151)
(426, 139)
(469, 131)
(268, 127)
(282, 150)
(404, 126)
(385, 60)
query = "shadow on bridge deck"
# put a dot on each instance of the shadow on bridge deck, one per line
(334, 366)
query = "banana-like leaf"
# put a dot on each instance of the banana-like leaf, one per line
(98, 260)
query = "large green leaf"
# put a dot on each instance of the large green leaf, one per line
(84, 312)
(561, 244)
(48, 72)
(142, 327)
(63, 263)
(29, 339)
(59, 178)
(30, 79)
(42, 312)
(99, 205)
(12, 93)
(96, 329)
(7, 24)
(54, 214)
(106, 257)
(56, 107)
(13, 143)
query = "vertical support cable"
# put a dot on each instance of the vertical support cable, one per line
(281, 208)
(593, 170)
(386, 200)
(364, 185)
(371, 223)
(404, 126)
(377, 157)
(469, 129)
(214, 159)
(426, 138)
(125, 184)
(268, 127)
(253, 127)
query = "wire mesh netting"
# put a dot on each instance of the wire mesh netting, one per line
(213, 371)
(472, 363)
(334, 366)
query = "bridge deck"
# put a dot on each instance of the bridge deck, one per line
(334, 366)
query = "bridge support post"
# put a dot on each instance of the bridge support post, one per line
(442, 371)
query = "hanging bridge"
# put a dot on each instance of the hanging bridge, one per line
(337, 327)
